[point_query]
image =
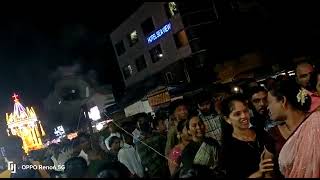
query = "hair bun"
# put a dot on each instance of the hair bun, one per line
(296, 96)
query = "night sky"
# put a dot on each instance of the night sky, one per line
(35, 41)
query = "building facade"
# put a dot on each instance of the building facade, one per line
(73, 94)
(149, 41)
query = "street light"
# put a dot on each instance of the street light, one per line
(99, 126)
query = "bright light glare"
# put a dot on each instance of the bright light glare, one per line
(72, 135)
(99, 126)
(59, 131)
(94, 113)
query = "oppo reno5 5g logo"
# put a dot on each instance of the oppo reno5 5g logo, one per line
(12, 167)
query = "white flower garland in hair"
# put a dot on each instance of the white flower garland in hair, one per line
(301, 96)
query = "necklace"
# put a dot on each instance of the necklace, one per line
(252, 145)
(252, 142)
(245, 138)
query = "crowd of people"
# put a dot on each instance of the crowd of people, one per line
(269, 131)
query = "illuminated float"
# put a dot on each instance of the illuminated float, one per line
(23, 122)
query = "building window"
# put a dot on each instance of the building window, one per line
(181, 39)
(147, 26)
(133, 38)
(206, 16)
(127, 71)
(169, 77)
(156, 53)
(70, 94)
(171, 9)
(120, 48)
(141, 63)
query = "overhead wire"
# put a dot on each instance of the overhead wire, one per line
(145, 144)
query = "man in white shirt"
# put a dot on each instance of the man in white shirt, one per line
(113, 132)
(106, 142)
(130, 157)
(84, 146)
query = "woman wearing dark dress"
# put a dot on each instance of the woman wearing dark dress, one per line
(202, 152)
(246, 152)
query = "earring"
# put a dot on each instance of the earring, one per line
(178, 136)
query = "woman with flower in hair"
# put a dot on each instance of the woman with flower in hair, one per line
(300, 155)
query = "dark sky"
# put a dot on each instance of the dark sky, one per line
(35, 41)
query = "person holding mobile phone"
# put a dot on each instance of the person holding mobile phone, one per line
(247, 153)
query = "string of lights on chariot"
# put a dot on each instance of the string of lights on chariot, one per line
(23, 122)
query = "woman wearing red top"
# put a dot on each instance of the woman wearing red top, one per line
(175, 153)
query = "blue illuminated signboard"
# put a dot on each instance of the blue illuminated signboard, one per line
(160, 32)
